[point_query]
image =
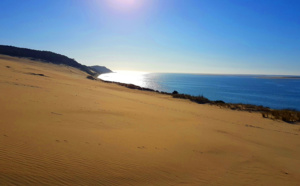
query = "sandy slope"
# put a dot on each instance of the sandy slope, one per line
(64, 129)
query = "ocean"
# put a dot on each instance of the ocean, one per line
(270, 91)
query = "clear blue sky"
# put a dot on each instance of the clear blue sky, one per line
(193, 36)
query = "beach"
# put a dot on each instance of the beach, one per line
(59, 128)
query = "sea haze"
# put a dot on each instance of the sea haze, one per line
(276, 93)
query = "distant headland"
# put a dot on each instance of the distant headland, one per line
(100, 69)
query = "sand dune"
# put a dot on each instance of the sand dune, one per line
(59, 128)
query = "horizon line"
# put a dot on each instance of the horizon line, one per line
(201, 73)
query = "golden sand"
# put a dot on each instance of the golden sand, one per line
(63, 129)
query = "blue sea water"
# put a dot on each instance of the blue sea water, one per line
(277, 93)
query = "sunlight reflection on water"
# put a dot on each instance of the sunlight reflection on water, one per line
(274, 93)
(130, 77)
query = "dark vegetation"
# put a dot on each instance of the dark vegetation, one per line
(174, 92)
(91, 77)
(242, 107)
(197, 99)
(44, 56)
(290, 116)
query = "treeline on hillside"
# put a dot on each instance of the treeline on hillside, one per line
(44, 56)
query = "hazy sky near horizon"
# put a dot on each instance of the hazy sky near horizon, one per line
(187, 36)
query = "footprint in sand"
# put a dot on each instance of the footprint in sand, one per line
(57, 141)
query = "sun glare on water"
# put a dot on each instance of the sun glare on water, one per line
(129, 77)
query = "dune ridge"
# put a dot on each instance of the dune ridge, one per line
(59, 128)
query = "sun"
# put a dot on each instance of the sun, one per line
(124, 5)
(127, 2)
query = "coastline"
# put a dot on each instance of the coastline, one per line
(60, 128)
(287, 115)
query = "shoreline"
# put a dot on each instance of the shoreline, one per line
(287, 115)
